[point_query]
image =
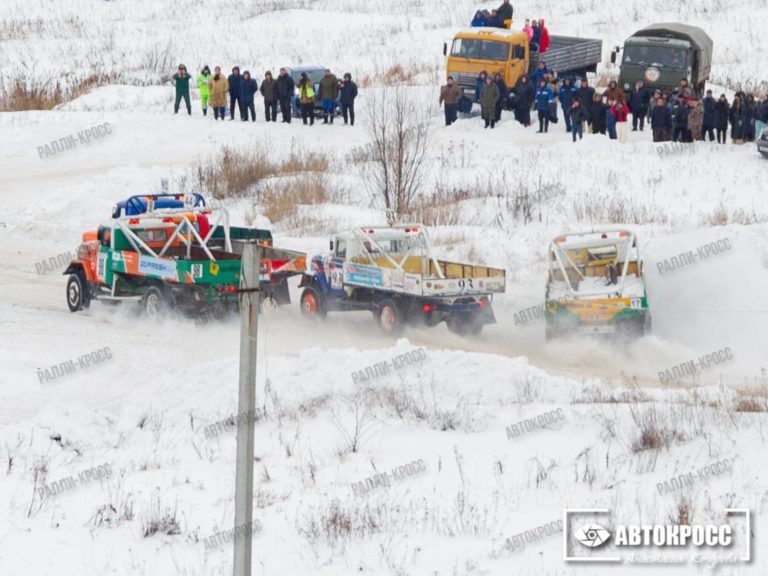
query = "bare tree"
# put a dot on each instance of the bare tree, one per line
(399, 129)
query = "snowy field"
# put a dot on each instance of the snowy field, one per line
(126, 467)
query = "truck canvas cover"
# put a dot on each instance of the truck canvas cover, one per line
(696, 36)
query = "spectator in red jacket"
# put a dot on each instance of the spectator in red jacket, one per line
(544, 42)
(620, 110)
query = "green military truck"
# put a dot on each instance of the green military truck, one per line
(663, 54)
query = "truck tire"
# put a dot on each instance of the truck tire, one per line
(312, 305)
(156, 303)
(391, 318)
(78, 292)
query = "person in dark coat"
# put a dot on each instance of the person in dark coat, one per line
(596, 114)
(489, 96)
(543, 100)
(708, 122)
(639, 99)
(503, 93)
(534, 44)
(567, 94)
(722, 115)
(736, 116)
(749, 119)
(285, 90)
(347, 95)
(524, 95)
(504, 12)
(577, 116)
(680, 113)
(234, 90)
(269, 93)
(248, 88)
(181, 81)
(586, 94)
(479, 83)
(661, 121)
(450, 95)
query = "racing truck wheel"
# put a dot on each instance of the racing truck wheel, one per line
(156, 303)
(312, 306)
(78, 292)
(390, 317)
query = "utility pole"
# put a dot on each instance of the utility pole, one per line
(246, 406)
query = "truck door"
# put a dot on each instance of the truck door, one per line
(334, 272)
(518, 64)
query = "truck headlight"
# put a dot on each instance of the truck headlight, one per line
(626, 85)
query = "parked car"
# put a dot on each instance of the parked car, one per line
(315, 73)
(762, 142)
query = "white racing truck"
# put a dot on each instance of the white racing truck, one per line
(596, 285)
(392, 272)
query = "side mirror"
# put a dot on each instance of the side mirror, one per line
(331, 245)
(445, 49)
(613, 57)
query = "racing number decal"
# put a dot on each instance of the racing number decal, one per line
(336, 278)
(102, 264)
(466, 284)
(635, 303)
(197, 270)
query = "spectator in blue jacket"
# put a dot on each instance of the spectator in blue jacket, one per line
(479, 84)
(661, 121)
(481, 19)
(543, 99)
(234, 90)
(348, 93)
(566, 94)
(539, 73)
(248, 88)
(708, 121)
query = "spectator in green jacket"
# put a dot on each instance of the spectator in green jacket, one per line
(489, 95)
(329, 91)
(181, 81)
(202, 84)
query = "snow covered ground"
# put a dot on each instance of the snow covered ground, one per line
(153, 411)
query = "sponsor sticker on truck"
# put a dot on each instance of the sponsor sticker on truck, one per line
(150, 266)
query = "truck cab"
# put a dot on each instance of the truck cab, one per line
(663, 54)
(491, 49)
(509, 53)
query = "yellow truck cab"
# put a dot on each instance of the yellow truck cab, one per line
(491, 49)
(509, 52)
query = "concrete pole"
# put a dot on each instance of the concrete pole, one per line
(246, 408)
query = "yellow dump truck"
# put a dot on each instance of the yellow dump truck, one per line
(509, 52)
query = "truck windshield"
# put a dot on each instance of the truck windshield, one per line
(480, 49)
(649, 55)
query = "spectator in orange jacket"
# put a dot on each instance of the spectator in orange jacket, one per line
(544, 42)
